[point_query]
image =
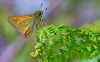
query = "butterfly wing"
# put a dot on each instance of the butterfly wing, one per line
(25, 27)
(28, 31)
(24, 24)
(13, 20)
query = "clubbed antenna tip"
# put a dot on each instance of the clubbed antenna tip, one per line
(41, 5)
(45, 8)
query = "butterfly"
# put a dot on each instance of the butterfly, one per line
(25, 23)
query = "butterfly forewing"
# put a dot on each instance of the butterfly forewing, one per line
(12, 21)
(24, 26)
(15, 19)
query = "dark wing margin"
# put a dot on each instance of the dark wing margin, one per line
(11, 21)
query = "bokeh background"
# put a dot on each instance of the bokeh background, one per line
(75, 13)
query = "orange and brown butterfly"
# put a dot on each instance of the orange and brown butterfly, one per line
(25, 23)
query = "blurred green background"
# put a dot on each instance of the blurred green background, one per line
(75, 13)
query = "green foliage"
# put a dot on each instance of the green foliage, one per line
(60, 43)
(93, 26)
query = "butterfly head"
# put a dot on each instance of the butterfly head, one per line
(39, 12)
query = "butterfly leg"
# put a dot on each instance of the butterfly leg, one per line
(44, 21)
(39, 21)
(35, 25)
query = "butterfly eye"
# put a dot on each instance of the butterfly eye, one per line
(40, 13)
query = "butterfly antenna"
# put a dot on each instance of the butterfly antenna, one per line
(41, 5)
(45, 9)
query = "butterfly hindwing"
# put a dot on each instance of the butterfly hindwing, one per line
(22, 26)
(28, 32)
